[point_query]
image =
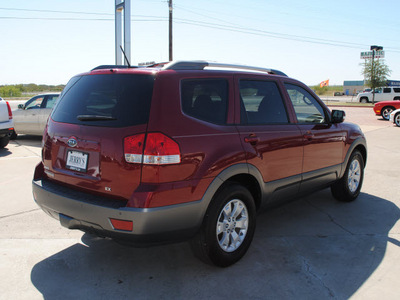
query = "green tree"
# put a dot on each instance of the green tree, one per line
(9, 91)
(375, 72)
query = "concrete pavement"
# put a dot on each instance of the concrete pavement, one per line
(313, 248)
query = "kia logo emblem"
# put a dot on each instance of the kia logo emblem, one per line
(72, 142)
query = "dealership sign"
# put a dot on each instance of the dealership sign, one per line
(368, 54)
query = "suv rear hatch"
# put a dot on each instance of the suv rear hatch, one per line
(83, 145)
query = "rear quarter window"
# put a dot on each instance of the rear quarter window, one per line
(107, 100)
(205, 99)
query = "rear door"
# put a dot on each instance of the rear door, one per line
(272, 143)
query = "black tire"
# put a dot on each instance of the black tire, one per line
(208, 245)
(364, 100)
(397, 119)
(386, 111)
(4, 141)
(349, 186)
(13, 135)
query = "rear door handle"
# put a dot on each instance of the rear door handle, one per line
(252, 139)
(308, 135)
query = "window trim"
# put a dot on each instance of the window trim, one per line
(242, 105)
(322, 105)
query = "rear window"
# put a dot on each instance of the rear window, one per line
(117, 100)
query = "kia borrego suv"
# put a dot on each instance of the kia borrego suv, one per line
(190, 150)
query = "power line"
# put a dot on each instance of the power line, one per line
(230, 28)
(55, 11)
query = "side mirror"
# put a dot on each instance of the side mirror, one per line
(20, 106)
(338, 116)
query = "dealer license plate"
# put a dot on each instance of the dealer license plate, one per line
(77, 161)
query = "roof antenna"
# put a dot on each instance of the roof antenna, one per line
(129, 64)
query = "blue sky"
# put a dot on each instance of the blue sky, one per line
(49, 41)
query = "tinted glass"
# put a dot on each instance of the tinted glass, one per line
(205, 99)
(51, 100)
(116, 100)
(34, 103)
(387, 90)
(261, 103)
(396, 90)
(307, 108)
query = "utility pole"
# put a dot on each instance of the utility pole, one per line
(170, 29)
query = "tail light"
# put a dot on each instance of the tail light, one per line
(133, 148)
(9, 111)
(153, 149)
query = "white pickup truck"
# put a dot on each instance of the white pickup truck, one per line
(6, 123)
(381, 94)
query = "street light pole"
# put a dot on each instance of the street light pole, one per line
(373, 49)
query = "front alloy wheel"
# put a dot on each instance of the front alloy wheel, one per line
(349, 186)
(386, 112)
(397, 119)
(354, 176)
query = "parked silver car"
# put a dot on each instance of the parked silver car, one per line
(31, 117)
(395, 117)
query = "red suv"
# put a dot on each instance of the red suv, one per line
(190, 150)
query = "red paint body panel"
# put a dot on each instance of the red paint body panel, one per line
(379, 105)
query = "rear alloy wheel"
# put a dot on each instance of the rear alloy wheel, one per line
(397, 119)
(349, 186)
(386, 111)
(364, 100)
(228, 227)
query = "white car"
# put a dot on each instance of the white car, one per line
(395, 117)
(381, 94)
(6, 123)
(31, 117)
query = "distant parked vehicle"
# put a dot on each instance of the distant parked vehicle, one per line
(395, 117)
(385, 108)
(31, 117)
(6, 123)
(381, 94)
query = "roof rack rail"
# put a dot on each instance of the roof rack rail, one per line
(200, 65)
(112, 67)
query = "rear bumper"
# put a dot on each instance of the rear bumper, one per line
(5, 131)
(77, 210)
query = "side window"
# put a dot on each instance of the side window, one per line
(205, 99)
(396, 90)
(307, 108)
(387, 90)
(261, 103)
(51, 100)
(34, 103)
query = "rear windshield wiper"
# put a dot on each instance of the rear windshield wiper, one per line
(94, 118)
